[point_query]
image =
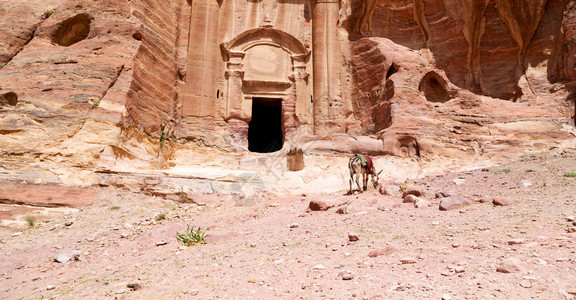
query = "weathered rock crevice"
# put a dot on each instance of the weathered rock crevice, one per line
(72, 30)
(8, 98)
(420, 18)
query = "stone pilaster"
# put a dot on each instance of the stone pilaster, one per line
(326, 57)
(304, 108)
(200, 91)
(234, 98)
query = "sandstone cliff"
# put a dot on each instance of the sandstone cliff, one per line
(112, 84)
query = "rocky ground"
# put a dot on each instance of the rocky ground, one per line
(365, 246)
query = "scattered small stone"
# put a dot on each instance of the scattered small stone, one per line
(414, 192)
(384, 251)
(294, 225)
(319, 267)
(343, 210)
(17, 233)
(388, 190)
(346, 275)
(500, 201)
(455, 245)
(120, 291)
(69, 223)
(480, 198)
(570, 219)
(516, 242)
(420, 203)
(442, 194)
(524, 184)
(571, 229)
(134, 286)
(410, 198)
(446, 297)
(352, 237)
(459, 181)
(400, 288)
(451, 203)
(65, 256)
(510, 265)
(161, 243)
(459, 269)
(50, 287)
(323, 205)
(526, 283)
(408, 260)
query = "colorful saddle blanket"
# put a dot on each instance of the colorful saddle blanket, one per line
(366, 161)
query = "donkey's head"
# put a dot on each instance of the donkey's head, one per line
(375, 178)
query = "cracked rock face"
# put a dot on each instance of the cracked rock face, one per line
(92, 84)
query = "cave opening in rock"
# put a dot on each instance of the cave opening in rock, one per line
(265, 132)
(72, 30)
(393, 69)
(434, 88)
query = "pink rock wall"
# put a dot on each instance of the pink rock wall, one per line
(483, 46)
(153, 97)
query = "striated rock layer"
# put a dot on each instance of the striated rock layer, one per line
(115, 85)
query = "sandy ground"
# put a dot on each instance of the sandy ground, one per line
(278, 249)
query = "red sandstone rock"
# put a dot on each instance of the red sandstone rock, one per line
(410, 198)
(500, 201)
(383, 251)
(323, 205)
(417, 193)
(511, 265)
(46, 195)
(451, 203)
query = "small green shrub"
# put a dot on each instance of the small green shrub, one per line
(403, 187)
(114, 207)
(191, 236)
(423, 65)
(504, 171)
(2, 66)
(162, 137)
(161, 217)
(31, 221)
(571, 174)
(96, 104)
(48, 13)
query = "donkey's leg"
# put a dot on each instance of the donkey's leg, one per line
(350, 181)
(358, 182)
(365, 181)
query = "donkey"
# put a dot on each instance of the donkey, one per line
(357, 168)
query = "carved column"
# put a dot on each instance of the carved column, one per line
(200, 91)
(326, 56)
(304, 108)
(234, 97)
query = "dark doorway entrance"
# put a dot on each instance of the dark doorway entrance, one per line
(265, 129)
